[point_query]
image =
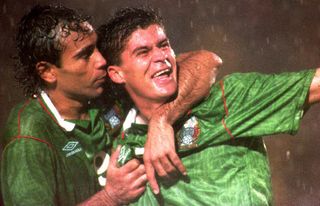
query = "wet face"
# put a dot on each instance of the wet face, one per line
(82, 72)
(148, 66)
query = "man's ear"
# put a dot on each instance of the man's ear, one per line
(116, 74)
(46, 71)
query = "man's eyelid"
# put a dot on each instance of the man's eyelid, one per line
(86, 51)
(140, 50)
(164, 42)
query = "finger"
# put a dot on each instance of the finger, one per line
(159, 169)
(133, 194)
(141, 170)
(140, 181)
(151, 177)
(114, 157)
(168, 167)
(131, 165)
(138, 172)
(177, 163)
(140, 190)
(136, 193)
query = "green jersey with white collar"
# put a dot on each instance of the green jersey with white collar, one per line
(220, 144)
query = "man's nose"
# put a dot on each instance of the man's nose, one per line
(100, 61)
(160, 54)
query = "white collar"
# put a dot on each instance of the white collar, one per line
(132, 117)
(68, 126)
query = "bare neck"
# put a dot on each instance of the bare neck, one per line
(146, 109)
(69, 108)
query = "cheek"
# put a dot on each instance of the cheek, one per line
(87, 71)
(142, 62)
(171, 56)
(172, 53)
(137, 68)
(173, 62)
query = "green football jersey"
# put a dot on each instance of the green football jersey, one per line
(220, 144)
(49, 161)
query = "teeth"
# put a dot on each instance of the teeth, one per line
(161, 72)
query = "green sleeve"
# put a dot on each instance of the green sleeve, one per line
(259, 104)
(245, 105)
(27, 176)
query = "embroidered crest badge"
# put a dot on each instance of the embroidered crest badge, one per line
(188, 134)
(112, 119)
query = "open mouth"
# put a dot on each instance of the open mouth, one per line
(162, 73)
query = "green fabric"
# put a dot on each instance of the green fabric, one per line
(42, 164)
(91, 134)
(219, 140)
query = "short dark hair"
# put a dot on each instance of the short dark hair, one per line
(39, 37)
(112, 39)
(114, 34)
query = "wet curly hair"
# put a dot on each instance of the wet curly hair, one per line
(113, 36)
(39, 37)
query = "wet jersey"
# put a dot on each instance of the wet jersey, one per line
(49, 161)
(219, 140)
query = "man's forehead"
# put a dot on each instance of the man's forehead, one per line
(144, 36)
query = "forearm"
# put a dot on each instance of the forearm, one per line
(197, 72)
(314, 92)
(99, 199)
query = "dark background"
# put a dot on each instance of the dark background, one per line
(249, 35)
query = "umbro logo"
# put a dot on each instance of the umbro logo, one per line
(71, 148)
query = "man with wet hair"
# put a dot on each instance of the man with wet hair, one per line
(159, 152)
(51, 140)
(219, 139)
(56, 144)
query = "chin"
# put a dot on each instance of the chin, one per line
(96, 93)
(168, 93)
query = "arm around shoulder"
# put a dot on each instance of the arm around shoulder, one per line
(197, 72)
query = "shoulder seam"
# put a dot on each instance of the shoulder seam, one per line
(29, 137)
(223, 97)
(47, 111)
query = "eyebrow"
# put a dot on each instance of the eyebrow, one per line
(148, 47)
(136, 50)
(84, 51)
(162, 41)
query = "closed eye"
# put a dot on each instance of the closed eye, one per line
(141, 51)
(164, 43)
(85, 53)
